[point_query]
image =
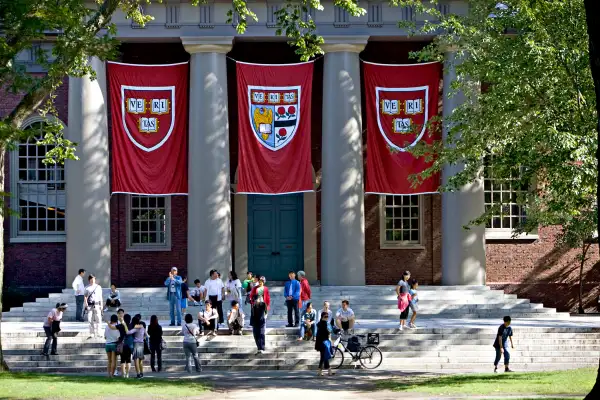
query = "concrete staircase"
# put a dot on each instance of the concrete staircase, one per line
(456, 329)
(368, 302)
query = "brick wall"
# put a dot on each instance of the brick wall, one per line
(32, 265)
(543, 272)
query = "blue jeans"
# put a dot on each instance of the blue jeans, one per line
(499, 355)
(313, 328)
(175, 306)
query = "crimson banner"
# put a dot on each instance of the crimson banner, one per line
(149, 113)
(274, 117)
(400, 99)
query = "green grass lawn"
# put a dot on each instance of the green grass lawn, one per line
(579, 381)
(36, 386)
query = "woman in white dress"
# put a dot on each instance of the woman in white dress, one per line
(233, 288)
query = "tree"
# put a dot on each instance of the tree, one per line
(26, 22)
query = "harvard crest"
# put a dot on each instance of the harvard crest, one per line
(274, 114)
(148, 114)
(402, 115)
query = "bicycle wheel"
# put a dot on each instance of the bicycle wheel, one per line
(337, 359)
(370, 357)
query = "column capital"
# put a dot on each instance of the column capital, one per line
(351, 44)
(207, 44)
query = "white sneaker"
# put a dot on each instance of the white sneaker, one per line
(412, 326)
(105, 309)
(400, 327)
(116, 373)
(196, 304)
(261, 351)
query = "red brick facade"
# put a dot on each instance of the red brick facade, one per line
(534, 269)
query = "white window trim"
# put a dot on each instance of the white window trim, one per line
(386, 245)
(14, 191)
(507, 234)
(149, 247)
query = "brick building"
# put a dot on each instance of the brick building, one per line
(68, 219)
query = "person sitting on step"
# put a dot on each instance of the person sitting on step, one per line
(114, 298)
(345, 318)
(207, 320)
(198, 293)
(235, 319)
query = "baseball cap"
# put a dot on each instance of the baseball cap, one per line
(174, 269)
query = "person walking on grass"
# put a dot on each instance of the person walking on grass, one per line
(79, 288)
(259, 322)
(323, 344)
(308, 326)
(156, 339)
(190, 347)
(114, 298)
(173, 284)
(292, 297)
(402, 291)
(52, 327)
(93, 304)
(111, 334)
(501, 344)
(414, 302)
(305, 291)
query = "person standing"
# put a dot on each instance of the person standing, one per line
(403, 293)
(216, 293)
(259, 322)
(305, 291)
(79, 288)
(501, 344)
(235, 319)
(247, 286)
(414, 302)
(156, 338)
(139, 336)
(292, 297)
(233, 288)
(261, 290)
(173, 284)
(52, 327)
(185, 295)
(123, 326)
(93, 303)
(323, 344)
(190, 346)
(111, 334)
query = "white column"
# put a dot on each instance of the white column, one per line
(463, 251)
(88, 179)
(209, 200)
(342, 205)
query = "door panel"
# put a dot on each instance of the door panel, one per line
(275, 235)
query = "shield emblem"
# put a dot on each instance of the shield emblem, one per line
(274, 114)
(148, 114)
(402, 115)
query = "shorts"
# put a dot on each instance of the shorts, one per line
(413, 306)
(345, 325)
(126, 355)
(138, 351)
(184, 303)
(111, 347)
(404, 314)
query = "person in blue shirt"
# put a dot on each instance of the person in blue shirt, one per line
(173, 284)
(292, 297)
(501, 344)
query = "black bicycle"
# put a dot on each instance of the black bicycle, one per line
(369, 356)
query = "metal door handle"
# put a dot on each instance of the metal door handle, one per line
(275, 253)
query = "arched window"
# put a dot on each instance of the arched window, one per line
(37, 190)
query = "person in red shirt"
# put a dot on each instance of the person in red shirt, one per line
(305, 293)
(262, 291)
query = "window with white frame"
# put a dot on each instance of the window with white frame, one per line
(502, 194)
(38, 190)
(149, 222)
(400, 221)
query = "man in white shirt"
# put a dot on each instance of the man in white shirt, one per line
(345, 318)
(93, 303)
(215, 290)
(79, 289)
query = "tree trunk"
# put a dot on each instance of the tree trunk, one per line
(3, 366)
(584, 250)
(592, 11)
